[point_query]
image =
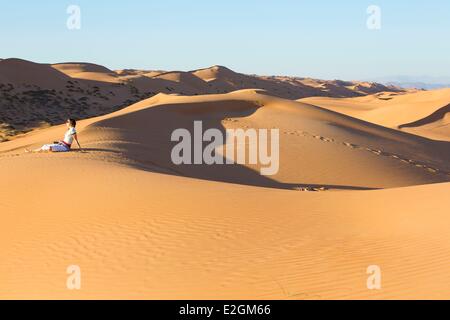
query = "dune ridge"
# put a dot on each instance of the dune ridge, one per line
(142, 228)
(363, 180)
(306, 131)
(34, 95)
(424, 113)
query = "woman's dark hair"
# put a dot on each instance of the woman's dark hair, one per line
(72, 122)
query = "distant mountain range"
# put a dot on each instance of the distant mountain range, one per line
(415, 82)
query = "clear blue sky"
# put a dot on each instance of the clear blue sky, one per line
(320, 38)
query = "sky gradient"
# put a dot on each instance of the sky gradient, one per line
(324, 38)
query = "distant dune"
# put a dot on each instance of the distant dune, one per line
(20, 72)
(424, 113)
(87, 71)
(363, 179)
(141, 227)
(36, 95)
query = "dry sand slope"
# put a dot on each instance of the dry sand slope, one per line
(141, 227)
(34, 95)
(424, 113)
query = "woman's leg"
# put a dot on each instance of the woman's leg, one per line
(59, 148)
(49, 148)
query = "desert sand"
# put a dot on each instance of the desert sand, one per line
(140, 227)
(35, 95)
(424, 113)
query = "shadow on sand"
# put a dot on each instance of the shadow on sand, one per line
(145, 138)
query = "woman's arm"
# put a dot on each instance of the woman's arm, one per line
(76, 139)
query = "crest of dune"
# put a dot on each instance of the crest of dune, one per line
(143, 227)
(423, 113)
(19, 72)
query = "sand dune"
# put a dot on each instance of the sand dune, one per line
(423, 113)
(38, 95)
(46, 94)
(141, 227)
(307, 133)
(87, 71)
(74, 68)
(22, 72)
(222, 80)
(185, 78)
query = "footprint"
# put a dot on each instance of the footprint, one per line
(386, 154)
(350, 145)
(325, 139)
(12, 155)
(230, 120)
(374, 151)
(311, 189)
(354, 146)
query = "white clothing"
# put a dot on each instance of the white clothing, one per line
(68, 137)
(56, 147)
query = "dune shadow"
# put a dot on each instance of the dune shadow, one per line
(88, 150)
(435, 116)
(145, 137)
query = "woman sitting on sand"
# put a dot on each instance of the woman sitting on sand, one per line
(64, 145)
